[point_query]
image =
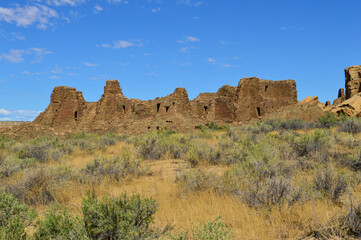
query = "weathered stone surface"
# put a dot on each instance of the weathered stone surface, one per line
(350, 107)
(341, 97)
(353, 80)
(253, 98)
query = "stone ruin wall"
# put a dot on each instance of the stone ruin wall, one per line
(252, 98)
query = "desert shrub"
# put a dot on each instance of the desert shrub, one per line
(326, 121)
(308, 143)
(163, 143)
(212, 230)
(329, 183)
(37, 187)
(199, 151)
(120, 217)
(89, 142)
(6, 142)
(32, 151)
(11, 164)
(271, 191)
(215, 126)
(116, 168)
(196, 180)
(149, 146)
(14, 218)
(59, 223)
(350, 125)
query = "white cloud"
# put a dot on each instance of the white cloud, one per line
(30, 73)
(118, 1)
(18, 115)
(4, 112)
(28, 15)
(188, 39)
(64, 2)
(156, 9)
(211, 61)
(91, 64)
(97, 9)
(192, 39)
(190, 3)
(184, 50)
(226, 65)
(14, 55)
(56, 70)
(122, 44)
(54, 77)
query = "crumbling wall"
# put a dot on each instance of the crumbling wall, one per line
(252, 98)
(67, 107)
(256, 97)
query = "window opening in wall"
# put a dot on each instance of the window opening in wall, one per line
(265, 88)
(173, 103)
(148, 127)
(157, 128)
(259, 111)
(158, 106)
(205, 108)
(166, 108)
(124, 108)
(76, 115)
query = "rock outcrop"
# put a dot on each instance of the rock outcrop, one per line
(349, 104)
(353, 80)
(253, 98)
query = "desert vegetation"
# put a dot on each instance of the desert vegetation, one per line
(268, 180)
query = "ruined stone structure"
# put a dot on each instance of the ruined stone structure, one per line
(253, 98)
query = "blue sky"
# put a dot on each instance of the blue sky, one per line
(154, 46)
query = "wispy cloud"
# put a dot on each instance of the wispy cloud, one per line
(31, 73)
(97, 9)
(118, 1)
(65, 2)
(14, 55)
(226, 65)
(155, 10)
(25, 16)
(211, 61)
(54, 77)
(190, 3)
(18, 115)
(88, 64)
(122, 44)
(188, 39)
(17, 55)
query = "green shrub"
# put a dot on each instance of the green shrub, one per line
(118, 218)
(350, 125)
(59, 223)
(212, 230)
(116, 168)
(14, 217)
(197, 180)
(326, 121)
(329, 183)
(308, 143)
